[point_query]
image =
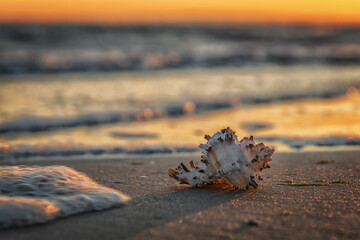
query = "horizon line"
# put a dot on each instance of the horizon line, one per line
(184, 23)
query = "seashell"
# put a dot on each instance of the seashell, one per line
(223, 156)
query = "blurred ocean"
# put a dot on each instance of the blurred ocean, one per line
(71, 48)
(68, 90)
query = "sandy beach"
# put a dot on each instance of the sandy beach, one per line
(312, 195)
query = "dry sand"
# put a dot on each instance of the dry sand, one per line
(303, 196)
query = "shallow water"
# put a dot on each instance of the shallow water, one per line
(75, 90)
(169, 111)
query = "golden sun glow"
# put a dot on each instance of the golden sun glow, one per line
(164, 11)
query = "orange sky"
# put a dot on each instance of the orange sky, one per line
(170, 11)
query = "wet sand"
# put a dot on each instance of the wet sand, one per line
(303, 196)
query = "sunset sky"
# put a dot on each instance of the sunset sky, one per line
(167, 11)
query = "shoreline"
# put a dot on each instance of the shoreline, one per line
(154, 156)
(163, 209)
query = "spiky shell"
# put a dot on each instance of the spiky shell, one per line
(223, 156)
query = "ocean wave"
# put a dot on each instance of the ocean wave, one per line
(330, 141)
(29, 151)
(37, 124)
(46, 48)
(33, 195)
(40, 124)
(49, 151)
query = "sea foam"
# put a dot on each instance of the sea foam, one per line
(32, 195)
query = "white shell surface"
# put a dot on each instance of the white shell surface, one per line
(238, 163)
